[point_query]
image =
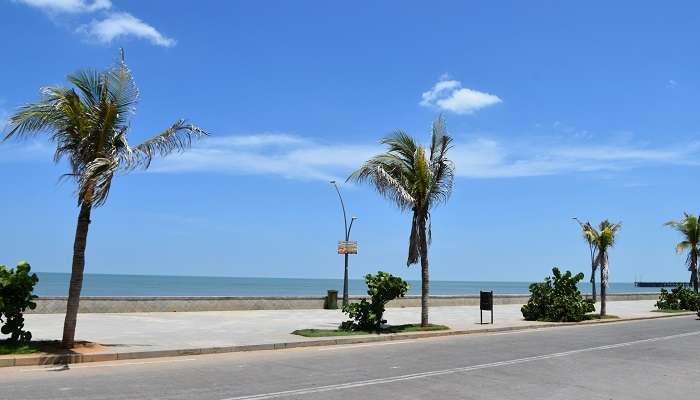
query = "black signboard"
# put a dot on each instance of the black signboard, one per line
(486, 303)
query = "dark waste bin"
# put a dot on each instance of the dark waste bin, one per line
(332, 300)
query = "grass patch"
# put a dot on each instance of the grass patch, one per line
(12, 348)
(672, 311)
(388, 329)
(597, 316)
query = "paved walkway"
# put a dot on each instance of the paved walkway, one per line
(166, 331)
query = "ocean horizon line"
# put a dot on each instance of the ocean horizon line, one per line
(287, 277)
(96, 284)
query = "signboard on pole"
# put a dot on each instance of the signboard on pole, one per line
(347, 247)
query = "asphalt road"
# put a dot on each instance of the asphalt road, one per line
(654, 359)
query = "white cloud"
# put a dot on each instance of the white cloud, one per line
(122, 24)
(30, 150)
(484, 158)
(68, 6)
(4, 120)
(449, 95)
(283, 155)
(263, 139)
(296, 157)
(111, 25)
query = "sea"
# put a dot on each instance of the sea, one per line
(56, 284)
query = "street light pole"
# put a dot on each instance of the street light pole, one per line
(347, 239)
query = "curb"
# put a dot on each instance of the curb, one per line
(23, 361)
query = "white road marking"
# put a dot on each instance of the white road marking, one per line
(81, 366)
(359, 346)
(420, 375)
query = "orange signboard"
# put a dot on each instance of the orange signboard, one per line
(347, 247)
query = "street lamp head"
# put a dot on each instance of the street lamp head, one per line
(332, 182)
(354, 217)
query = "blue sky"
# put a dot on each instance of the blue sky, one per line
(558, 110)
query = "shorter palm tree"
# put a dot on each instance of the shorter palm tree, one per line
(592, 248)
(689, 227)
(603, 239)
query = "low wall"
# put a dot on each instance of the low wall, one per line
(57, 305)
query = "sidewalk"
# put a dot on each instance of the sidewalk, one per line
(140, 332)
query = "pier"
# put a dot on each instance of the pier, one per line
(661, 284)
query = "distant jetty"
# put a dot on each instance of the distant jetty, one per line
(661, 284)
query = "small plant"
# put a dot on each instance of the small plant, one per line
(368, 316)
(557, 299)
(680, 298)
(16, 287)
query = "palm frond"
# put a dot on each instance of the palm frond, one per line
(90, 84)
(89, 122)
(414, 242)
(442, 169)
(412, 179)
(177, 138)
(96, 180)
(385, 180)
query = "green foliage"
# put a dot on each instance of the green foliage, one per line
(89, 123)
(16, 287)
(412, 177)
(680, 298)
(367, 316)
(689, 228)
(557, 299)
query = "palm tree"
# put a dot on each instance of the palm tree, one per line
(89, 125)
(415, 181)
(603, 239)
(689, 227)
(592, 248)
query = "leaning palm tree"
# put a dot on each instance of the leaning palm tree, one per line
(413, 180)
(689, 227)
(89, 125)
(592, 248)
(603, 238)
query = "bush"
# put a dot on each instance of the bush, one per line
(16, 287)
(368, 316)
(680, 298)
(557, 299)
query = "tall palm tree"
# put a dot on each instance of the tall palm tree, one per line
(689, 227)
(592, 248)
(603, 238)
(89, 125)
(414, 180)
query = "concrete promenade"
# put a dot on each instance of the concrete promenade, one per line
(135, 332)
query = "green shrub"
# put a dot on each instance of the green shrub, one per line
(680, 298)
(557, 299)
(368, 316)
(16, 287)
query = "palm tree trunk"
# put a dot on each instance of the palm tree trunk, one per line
(603, 285)
(425, 276)
(694, 266)
(593, 291)
(76, 278)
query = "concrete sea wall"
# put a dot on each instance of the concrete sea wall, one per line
(57, 305)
